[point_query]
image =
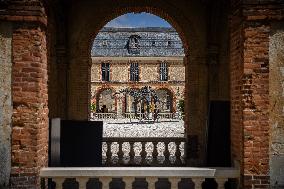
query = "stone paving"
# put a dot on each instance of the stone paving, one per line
(125, 128)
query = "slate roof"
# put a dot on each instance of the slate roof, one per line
(141, 42)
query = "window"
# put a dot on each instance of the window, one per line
(133, 44)
(105, 72)
(134, 71)
(104, 43)
(163, 71)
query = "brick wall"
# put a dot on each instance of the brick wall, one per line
(249, 34)
(30, 111)
(255, 93)
(250, 130)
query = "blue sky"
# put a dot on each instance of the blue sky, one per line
(138, 20)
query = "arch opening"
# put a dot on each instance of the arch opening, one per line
(144, 67)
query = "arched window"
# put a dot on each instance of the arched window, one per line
(105, 101)
(165, 100)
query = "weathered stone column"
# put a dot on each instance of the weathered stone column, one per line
(276, 100)
(5, 102)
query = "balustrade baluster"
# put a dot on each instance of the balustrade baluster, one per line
(128, 182)
(131, 154)
(167, 154)
(221, 182)
(120, 153)
(174, 182)
(198, 182)
(58, 182)
(143, 154)
(108, 154)
(155, 154)
(82, 182)
(178, 153)
(105, 182)
(151, 182)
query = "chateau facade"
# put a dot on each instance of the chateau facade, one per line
(133, 58)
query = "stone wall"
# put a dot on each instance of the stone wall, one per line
(118, 72)
(276, 93)
(148, 74)
(149, 69)
(5, 102)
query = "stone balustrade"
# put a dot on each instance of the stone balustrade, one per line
(162, 115)
(102, 116)
(82, 176)
(154, 151)
(169, 116)
(133, 116)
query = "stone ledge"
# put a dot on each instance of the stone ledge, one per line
(140, 172)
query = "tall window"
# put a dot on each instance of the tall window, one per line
(134, 71)
(105, 72)
(163, 71)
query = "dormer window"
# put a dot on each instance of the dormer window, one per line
(133, 44)
(153, 43)
(169, 44)
(104, 43)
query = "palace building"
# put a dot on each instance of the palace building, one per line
(133, 58)
(55, 60)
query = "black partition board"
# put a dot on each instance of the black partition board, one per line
(81, 143)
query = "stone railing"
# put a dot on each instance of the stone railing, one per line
(140, 116)
(162, 115)
(133, 116)
(83, 178)
(168, 116)
(104, 116)
(143, 151)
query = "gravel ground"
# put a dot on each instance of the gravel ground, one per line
(125, 128)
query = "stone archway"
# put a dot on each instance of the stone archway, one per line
(105, 97)
(80, 21)
(85, 26)
(168, 99)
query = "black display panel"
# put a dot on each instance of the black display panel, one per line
(218, 144)
(75, 143)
